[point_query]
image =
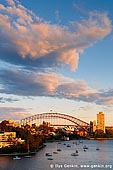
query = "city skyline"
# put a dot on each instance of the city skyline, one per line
(56, 56)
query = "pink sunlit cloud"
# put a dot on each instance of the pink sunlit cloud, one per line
(38, 38)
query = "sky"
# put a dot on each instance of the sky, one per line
(56, 56)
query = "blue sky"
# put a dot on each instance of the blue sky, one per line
(56, 55)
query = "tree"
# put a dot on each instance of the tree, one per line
(99, 133)
(3, 125)
(109, 132)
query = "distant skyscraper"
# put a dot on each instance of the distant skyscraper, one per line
(93, 126)
(101, 121)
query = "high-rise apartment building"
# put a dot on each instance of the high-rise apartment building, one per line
(101, 121)
(93, 126)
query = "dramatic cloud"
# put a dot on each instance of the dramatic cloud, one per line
(25, 83)
(40, 46)
(13, 113)
(28, 37)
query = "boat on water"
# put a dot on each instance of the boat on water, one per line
(58, 148)
(85, 147)
(85, 150)
(75, 153)
(59, 142)
(27, 156)
(97, 148)
(48, 154)
(16, 158)
(80, 141)
(68, 145)
(49, 158)
(55, 152)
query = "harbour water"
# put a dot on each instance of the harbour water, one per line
(91, 158)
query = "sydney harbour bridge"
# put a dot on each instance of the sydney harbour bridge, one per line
(56, 119)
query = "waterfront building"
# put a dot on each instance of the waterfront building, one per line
(101, 121)
(13, 123)
(4, 144)
(9, 138)
(80, 131)
(6, 135)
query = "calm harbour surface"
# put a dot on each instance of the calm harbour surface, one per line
(89, 159)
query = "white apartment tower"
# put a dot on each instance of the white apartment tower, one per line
(101, 121)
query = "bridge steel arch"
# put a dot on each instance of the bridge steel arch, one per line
(76, 121)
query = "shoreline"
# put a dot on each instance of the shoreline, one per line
(101, 138)
(18, 154)
(24, 154)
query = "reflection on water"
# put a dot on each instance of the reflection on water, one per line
(89, 159)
